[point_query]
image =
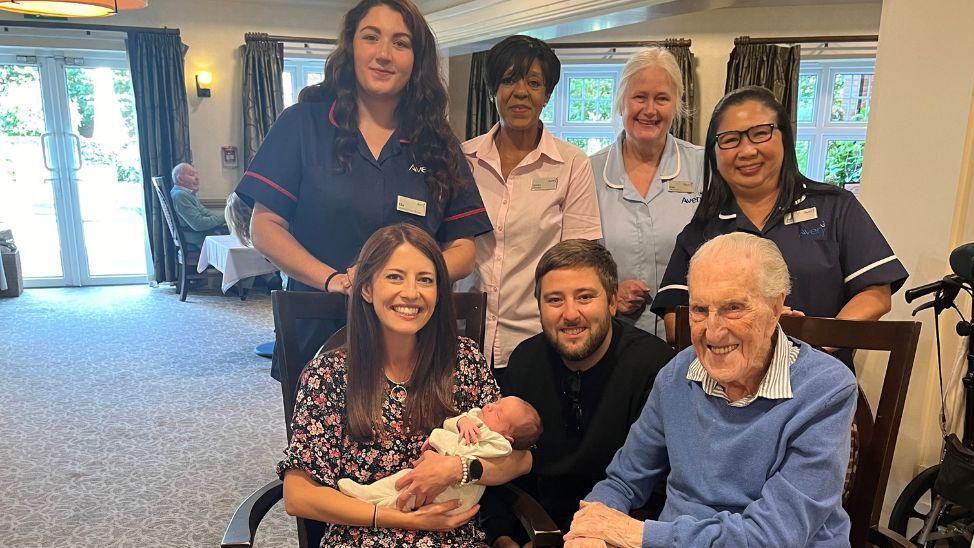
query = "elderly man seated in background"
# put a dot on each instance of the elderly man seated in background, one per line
(754, 427)
(195, 219)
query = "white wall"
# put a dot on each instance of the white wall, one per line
(917, 182)
(712, 33)
(214, 31)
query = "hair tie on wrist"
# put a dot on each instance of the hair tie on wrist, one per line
(375, 514)
(328, 280)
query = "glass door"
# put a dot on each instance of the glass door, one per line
(28, 191)
(90, 156)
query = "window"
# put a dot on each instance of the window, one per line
(580, 109)
(299, 73)
(833, 110)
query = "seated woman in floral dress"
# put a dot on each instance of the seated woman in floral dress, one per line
(364, 411)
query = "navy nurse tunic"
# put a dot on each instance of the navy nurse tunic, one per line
(831, 246)
(331, 214)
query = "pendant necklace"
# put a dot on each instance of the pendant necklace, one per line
(398, 390)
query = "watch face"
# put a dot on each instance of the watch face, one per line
(476, 470)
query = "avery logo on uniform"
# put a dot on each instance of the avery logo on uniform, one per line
(410, 205)
(684, 187)
(801, 216)
(417, 169)
(544, 183)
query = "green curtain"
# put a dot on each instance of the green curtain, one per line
(263, 91)
(683, 128)
(481, 114)
(767, 65)
(159, 85)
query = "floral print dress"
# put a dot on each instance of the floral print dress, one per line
(321, 446)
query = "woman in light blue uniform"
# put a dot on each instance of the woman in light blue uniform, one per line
(648, 182)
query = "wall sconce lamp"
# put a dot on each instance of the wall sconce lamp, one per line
(203, 80)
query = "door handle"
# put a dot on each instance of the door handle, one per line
(44, 151)
(77, 148)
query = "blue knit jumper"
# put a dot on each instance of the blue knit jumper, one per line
(768, 474)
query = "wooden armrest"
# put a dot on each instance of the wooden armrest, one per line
(243, 525)
(885, 538)
(534, 519)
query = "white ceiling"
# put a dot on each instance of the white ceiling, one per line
(471, 25)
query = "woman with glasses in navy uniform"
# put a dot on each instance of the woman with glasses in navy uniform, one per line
(368, 147)
(841, 265)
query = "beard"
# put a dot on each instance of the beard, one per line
(596, 336)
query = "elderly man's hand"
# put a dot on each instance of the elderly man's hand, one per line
(597, 521)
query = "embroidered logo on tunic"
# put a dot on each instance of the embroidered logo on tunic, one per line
(417, 169)
(815, 231)
(693, 200)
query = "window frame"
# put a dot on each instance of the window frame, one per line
(821, 130)
(563, 129)
(299, 68)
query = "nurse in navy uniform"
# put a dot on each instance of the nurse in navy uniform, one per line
(840, 263)
(368, 147)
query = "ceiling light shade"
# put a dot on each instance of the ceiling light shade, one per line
(71, 8)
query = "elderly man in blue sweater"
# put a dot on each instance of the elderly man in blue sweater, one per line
(752, 426)
(196, 220)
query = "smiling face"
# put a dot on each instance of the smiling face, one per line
(731, 322)
(576, 314)
(403, 292)
(750, 168)
(520, 102)
(650, 105)
(383, 53)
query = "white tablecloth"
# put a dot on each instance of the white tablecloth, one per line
(236, 261)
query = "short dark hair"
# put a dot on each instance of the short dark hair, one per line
(517, 53)
(791, 183)
(578, 254)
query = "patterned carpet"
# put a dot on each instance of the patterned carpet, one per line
(128, 418)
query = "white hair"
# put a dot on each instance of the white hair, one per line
(774, 279)
(644, 59)
(177, 171)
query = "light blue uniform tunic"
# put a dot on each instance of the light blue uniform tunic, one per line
(641, 232)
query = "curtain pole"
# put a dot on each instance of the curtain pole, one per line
(744, 40)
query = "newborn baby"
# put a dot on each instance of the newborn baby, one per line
(509, 423)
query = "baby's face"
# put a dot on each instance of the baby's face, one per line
(502, 415)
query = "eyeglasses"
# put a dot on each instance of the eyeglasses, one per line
(572, 388)
(760, 133)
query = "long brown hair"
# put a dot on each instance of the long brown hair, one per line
(430, 393)
(421, 113)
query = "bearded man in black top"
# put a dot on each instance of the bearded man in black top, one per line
(588, 375)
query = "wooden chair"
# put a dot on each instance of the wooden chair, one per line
(188, 260)
(290, 306)
(874, 435)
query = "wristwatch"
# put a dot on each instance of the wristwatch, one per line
(476, 470)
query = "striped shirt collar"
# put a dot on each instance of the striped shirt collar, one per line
(776, 384)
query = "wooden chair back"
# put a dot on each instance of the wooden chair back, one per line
(876, 434)
(291, 306)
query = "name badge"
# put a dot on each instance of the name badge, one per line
(801, 216)
(409, 205)
(684, 187)
(544, 183)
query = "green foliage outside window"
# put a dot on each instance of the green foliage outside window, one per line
(843, 162)
(590, 99)
(806, 97)
(18, 120)
(801, 151)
